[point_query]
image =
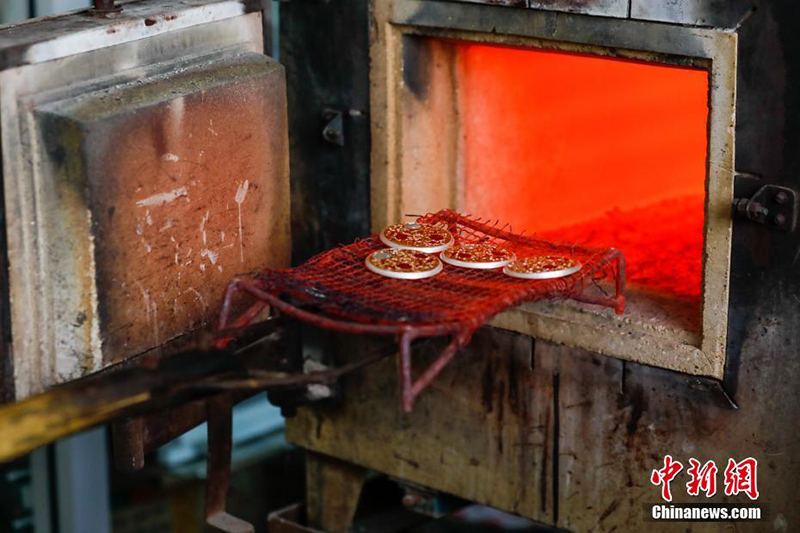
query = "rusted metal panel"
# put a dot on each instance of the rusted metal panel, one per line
(44, 292)
(184, 176)
(709, 13)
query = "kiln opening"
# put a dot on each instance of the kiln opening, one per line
(590, 150)
(595, 145)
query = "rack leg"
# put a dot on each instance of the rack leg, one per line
(406, 384)
(410, 389)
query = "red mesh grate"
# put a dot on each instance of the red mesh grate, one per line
(335, 290)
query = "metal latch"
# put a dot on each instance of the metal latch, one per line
(772, 205)
(333, 131)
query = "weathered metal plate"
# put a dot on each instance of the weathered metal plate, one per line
(56, 59)
(709, 13)
(605, 8)
(511, 3)
(39, 40)
(163, 189)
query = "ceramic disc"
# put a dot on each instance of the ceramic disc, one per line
(542, 267)
(403, 263)
(477, 255)
(427, 238)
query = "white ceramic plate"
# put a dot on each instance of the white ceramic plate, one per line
(547, 274)
(402, 275)
(426, 249)
(472, 264)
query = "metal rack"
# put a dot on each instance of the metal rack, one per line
(348, 298)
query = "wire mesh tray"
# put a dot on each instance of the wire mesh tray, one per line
(334, 290)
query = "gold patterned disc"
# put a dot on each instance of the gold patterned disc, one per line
(477, 255)
(542, 267)
(403, 264)
(428, 238)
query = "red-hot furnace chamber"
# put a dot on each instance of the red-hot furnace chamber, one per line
(590, 150)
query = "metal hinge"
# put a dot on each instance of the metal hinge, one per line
(774, 206)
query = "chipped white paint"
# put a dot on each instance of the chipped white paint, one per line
(163, 197)
(203, 226)
(165, 227)
(211, 255)
(140, 233)
(241, 194)
(178, 107)
(150, 310)
(148, 218)
(97, 342)
(172, 158)
(145, 298)
(199, 298)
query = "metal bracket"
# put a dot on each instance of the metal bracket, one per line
(333, 131)
(771, 205)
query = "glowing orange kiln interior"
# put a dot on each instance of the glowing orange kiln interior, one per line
(591, 150)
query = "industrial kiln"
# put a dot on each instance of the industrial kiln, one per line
(636, 120)
(668, 130)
